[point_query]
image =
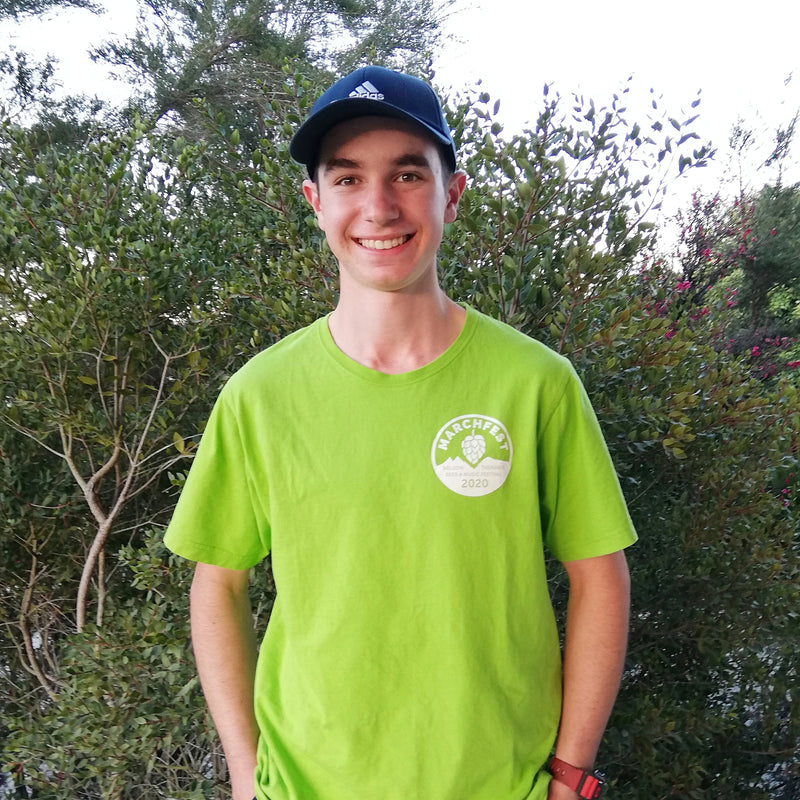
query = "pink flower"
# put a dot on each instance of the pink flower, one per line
(772, 232)
(793, 364)
(755, 351)
(670, 333)
(683, 286)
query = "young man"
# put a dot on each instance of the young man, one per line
(403, 460)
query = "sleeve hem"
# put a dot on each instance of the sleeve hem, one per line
(597, 547)
(192, 551)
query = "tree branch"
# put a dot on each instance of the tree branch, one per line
(24, 627)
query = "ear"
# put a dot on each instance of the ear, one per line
(454, 189)
(311, 193)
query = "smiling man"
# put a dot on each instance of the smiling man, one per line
(405, 461)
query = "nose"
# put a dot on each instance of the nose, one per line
(380, 203)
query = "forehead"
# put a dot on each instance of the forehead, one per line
(374, 138)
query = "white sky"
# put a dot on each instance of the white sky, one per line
(740, 54)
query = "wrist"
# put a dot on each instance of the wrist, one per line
(582, 781)
(558, 791)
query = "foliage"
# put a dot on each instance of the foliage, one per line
(85, 236)
(747, 245)
(88, 752)
(713, 657)
(28, 87)
(139, 271)
(558, 209)
(136, 274)
(707, 245)
(15, 9)
(24, 83)
(768, 258)
(227, 53)
(745, 253)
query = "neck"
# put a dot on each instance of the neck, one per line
(396, 332)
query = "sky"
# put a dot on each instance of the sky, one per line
(742, 57)
(738, 55)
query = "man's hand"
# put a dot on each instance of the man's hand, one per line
(225, 652)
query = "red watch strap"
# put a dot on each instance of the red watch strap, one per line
(579, 780)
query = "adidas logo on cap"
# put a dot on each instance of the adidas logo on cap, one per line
(368, 91)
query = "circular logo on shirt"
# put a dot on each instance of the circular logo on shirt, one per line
(471, 454)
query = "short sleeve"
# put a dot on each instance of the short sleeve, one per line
(583, 510)
(216, 520)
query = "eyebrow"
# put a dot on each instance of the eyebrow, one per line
(405, 160)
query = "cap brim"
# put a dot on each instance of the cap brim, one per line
(304, 147)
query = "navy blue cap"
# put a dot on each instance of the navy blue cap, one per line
(372, 91)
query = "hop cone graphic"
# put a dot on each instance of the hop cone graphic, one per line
(473, 447)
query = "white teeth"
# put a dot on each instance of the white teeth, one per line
(383, 244)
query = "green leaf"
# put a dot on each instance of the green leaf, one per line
(188, 687)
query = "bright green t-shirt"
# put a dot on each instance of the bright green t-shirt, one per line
(412, 653)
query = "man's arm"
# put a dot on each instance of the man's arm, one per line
(594, 655)
(225, 652)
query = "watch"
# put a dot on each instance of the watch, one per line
(588, 785)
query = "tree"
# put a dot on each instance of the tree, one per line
(557, 211)
(707, 455)
(768, 253)
(17, 8)
(706, 246)
(122, 311)
(27, 86)
(24, 84)
(745, 253)
(226, 53)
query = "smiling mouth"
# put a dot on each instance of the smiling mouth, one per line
(383, 244)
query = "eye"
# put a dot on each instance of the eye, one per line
(345, 180)
(408, 177)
